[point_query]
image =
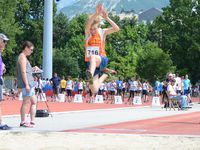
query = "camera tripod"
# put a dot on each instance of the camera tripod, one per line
(41, 96)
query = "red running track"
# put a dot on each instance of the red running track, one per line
(184, 124)
(12, 107)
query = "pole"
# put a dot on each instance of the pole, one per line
(48, 39)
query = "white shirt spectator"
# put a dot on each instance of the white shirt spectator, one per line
(178, 83)
(171, 91)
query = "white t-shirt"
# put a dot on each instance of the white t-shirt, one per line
(80, 85)
(178, 83)
(133, 85)
(144, 86)
(171, 91)
(69, 85)
(113, 86)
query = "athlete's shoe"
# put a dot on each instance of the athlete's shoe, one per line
(5, 127)
(109, 71)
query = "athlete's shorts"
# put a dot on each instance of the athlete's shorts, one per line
(69, 92)
(28, 94)
(104, 63)
(186, 92)
(62, 90)
(144, 92)
(56, 89)
(112, 92)
(119, 91)
(80, 91)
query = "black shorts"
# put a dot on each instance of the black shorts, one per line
(100, 92)
(119, 91)
(132, 93)
(69, 92)
(112, 92)
(55, 90)
(80, 91)
(38, 90)
(62, 90)
(144, 92)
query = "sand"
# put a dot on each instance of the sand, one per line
(94, 141)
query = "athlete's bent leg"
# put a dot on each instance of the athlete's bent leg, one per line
(97, 83)
(95, 62)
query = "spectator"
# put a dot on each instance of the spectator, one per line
(25, 82)
(3, 42)
(113, 87)
(178, 84)
(145, 91)
(63, 84)
(70, 86)
(173, 95)
(124, 87)
(39, 87)
(80, 86)
(157, 90)
(187, 87)
(56, 85)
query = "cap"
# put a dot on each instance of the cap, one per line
(3, 36)
(170, 75)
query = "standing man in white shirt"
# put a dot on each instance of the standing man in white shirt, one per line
(178, 84)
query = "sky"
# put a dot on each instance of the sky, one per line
(64, 3)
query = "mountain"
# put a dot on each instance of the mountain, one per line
(88, 6)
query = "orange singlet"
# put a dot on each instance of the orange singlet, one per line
(94, 45)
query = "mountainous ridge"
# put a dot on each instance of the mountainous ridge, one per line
(88, 6)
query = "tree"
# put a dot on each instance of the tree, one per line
(64, 64)
(153, 62)
(60, 35)
(10, 27)
(177, 31)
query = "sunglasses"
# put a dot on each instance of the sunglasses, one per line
(4, 41)
(31, 49)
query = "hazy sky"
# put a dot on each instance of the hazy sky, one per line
(63, 3)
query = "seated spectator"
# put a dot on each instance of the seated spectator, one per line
(182, 99)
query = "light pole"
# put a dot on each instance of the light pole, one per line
(48, 39)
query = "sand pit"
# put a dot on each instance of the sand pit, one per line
(93, 141)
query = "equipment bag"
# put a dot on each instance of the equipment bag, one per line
(42, 113)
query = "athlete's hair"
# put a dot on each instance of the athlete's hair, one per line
(27, 44)
(69, 77)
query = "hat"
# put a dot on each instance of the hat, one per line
(3, 36)
(170, 75)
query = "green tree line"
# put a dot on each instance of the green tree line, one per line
(148, 51)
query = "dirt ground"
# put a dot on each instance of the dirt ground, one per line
(94, 141)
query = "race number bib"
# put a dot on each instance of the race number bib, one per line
(92, 50)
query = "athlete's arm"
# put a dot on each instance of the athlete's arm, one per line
(92, 18)
(114, 28)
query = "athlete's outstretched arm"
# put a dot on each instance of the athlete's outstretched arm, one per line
(92, 18)
(114, 28)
